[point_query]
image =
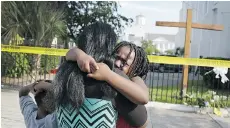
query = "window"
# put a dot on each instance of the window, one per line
(214, 16)
(205, 7)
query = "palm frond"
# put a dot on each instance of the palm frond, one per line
(36, 19)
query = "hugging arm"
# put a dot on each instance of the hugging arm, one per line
(128, 88)
(135, 92)
(84, 61)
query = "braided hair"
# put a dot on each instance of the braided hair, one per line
(140, 65)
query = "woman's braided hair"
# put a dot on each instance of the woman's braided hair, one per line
(140, 65)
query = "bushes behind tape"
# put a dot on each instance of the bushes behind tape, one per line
(15, 65)
(48, 63)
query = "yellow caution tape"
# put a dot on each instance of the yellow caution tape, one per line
(152, 59)
(189, 61)
(34, 50)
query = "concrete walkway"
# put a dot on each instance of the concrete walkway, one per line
(158, 118)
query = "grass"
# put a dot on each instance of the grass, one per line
(171, 94)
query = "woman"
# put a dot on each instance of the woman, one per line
(133, 61)
(77, 104)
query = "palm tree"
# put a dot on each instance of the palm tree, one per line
(38, 22)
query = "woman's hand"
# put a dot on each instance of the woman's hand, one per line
(101, 73)
(87, 63)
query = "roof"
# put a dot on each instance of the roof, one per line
(160, 39)
(170, 38)
(140, 15)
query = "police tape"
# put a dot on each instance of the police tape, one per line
(34, 50)
(152, 59)
(189, 61)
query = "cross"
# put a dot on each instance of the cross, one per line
(188, 25)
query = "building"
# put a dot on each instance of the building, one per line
(136, 34)
(207, 43)
(163, 42)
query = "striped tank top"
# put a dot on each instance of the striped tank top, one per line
(94, 113)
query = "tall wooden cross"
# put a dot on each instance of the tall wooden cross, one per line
(188, 25)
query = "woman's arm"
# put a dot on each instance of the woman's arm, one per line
(85, 62)
(139, 81)
(74, 53)
(136, 91)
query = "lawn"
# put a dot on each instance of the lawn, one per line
(171, 94)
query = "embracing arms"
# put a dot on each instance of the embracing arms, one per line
(135, 89)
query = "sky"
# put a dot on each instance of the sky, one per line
(153, 11)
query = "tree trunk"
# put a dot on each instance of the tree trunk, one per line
(66, 46)
(36, 64)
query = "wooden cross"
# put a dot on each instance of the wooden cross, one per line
(188, 25)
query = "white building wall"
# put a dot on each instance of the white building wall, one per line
(164, 46)
(207, 42)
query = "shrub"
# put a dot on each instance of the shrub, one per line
(48, 62)
(14, 64)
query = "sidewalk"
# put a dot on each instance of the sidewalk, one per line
(158, 118)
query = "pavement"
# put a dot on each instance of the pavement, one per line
(11, 116)
(158, 118)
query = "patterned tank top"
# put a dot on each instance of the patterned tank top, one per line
(94, 113)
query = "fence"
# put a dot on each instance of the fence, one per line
(163, 80)
(20, 69)
(165, 85)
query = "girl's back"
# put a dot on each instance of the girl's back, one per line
(74, 108)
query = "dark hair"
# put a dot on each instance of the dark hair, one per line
(38, 98)
(42, 99)
(140, 65)
(97, 40)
